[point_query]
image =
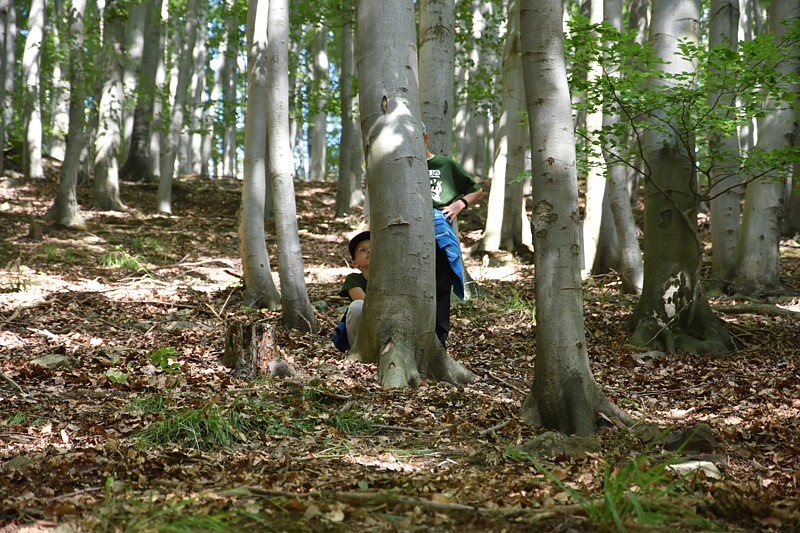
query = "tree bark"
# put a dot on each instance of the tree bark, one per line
(758, 249)
(564, 395)
(171, 140)
(8, 26)
(32, 140)
(317, 130)
(397, 330)
(198, 164)
(260, 290)
(673, 314)
(631, 268)
(436, 66)
(351, 153)
(59, 94)
(724, 176)
(64, 210)
(297, 312)
(135, 42)
(138, 164)
(106, 183)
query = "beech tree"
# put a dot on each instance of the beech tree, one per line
(397, 329)
(295, 305)
(65, 209)
(564, 395)
(31, 60)
(259, 287)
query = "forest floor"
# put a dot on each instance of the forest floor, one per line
(136, 426)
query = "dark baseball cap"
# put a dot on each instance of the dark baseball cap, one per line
(363, 236)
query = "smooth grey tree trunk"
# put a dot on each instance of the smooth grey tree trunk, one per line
(436, 66)
(32, 113)
(725, 190)
(259, 288)
(198, 165)
(296, 309)
(317, 130)
(639, 20)
(229, 166)
(175, 126)
(59, 94)
(349, 193)
(758, 250)
(397, 329)
(6, 71)
(673, 314)
(791, 221)
(64, 210)
(506, 217)
(630, 255)
(747, 8)
(138, 164)
(107, 141)
(134, 46)
(161, 92)
(564, 395)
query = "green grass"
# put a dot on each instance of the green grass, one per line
(116, 257)
(148, 404)
(639, 493)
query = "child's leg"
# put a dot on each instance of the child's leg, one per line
(353, 320)
(443, 288)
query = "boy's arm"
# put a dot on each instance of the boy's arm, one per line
(356, 293)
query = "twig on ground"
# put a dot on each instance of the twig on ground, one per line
(11, 382)
(397, 428)
(74, 493)
(506, 383)
(496, 427)
(14, 315)
(756, 309)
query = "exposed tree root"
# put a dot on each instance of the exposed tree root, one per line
(757, 309)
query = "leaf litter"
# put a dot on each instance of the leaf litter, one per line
(113, 438)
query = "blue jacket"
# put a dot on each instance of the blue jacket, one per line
(446, 240)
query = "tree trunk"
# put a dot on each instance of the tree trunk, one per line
(161, 92)
(630, 255)
(138, 165)
(295, 306)
(351, 154)
(506, 216)
(564, 395)
(135, 39)
(106, 182)
(64, 210)
(170, 148)
(791, 221)
(8, 26)
(197, 163)
(229, 87)
(673, 314)
(317, 130)
(260, 290)
(436, 67)
(59, 95)
(32, 140)
(746, 26)
(758, 250)
(724, 176)
(249, 349)
(397, 330)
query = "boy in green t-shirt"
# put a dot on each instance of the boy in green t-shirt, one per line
(355, 288)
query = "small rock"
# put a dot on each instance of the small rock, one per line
(551, 444)
(16, 463)
(53, 360)
(687, 467)
(321, 306)
(654, 355)
(696, 439)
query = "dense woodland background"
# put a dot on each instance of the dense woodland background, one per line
(180, 176)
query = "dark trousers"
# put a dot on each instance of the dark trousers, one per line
(444, 279)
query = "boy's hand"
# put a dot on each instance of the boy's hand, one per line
(451, 211)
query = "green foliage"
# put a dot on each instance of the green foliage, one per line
(164, 358)
(350, 421)
(115, 375)
(700, 103)
(148, 404)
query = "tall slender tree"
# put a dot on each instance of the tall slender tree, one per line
(436, 64)
(108, 138)
(259, 287)
(65, 210)
(564, 395)
(318, 127)
(31, 59)
(296, 308)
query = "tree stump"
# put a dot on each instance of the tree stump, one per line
(250, 348)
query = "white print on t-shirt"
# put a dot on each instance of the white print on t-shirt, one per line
(436, 184)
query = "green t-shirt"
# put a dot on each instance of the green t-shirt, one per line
(353, 280)
(448, 180)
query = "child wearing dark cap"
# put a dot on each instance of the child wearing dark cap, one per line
(355, 288)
